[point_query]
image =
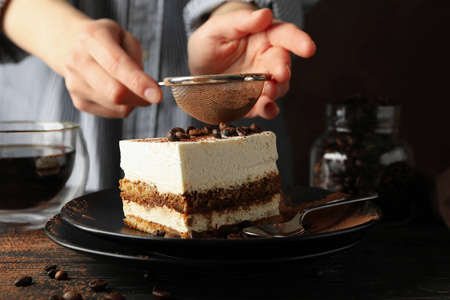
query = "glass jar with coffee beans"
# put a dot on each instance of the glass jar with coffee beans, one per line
(361, 152)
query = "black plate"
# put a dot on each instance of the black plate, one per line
(114, 251)
(101, 213)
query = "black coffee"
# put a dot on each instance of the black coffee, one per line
(32, 174)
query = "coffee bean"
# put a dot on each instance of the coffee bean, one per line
(51, 273)
(228, 131)
(114, 296)
(242, 131)
(98, 285)
(209, 128)
(216, 134)
(56, 297)
(189, 129)
(50, 267)
(198, 132)
(182, 135)
(23, 281)
(222, 126)
(61, 275)
(255, 128)
(177, 129)
(72, 295)
(172, 137)
(160, 293)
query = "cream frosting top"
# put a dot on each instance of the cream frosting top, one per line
(207, 163)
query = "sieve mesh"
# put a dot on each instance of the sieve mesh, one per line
(218, 102)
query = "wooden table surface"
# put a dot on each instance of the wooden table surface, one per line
(409, 261)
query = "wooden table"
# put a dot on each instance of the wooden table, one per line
(410, 261)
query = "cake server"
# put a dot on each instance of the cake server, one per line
(216, 99)
(294, 227)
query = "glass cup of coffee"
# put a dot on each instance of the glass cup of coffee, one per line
(43, 165)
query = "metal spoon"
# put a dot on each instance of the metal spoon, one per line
(294, 226)
(216, 99)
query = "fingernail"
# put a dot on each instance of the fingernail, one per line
(152, 95)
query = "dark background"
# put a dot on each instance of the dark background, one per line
(378, 48)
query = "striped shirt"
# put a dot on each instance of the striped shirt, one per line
(30, 90)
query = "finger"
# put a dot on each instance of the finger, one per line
(84, 71)
(274, 90)
(116, 61)
(91, 107)
(290, 37)
(240, 23)
(133, 47)
(265, 108)
(270, 89)
(85, 99)
(277, 61)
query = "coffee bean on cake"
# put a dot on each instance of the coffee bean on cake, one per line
(182, 135)
(189, 128)
(172, 137)
(198, 132)
(209, 128)
(216, 134)
(228, 131)
(255, 128)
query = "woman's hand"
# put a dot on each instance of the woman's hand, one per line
(249, 41)
(100, 61)
(104, 73)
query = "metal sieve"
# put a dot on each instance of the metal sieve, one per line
(216, 99)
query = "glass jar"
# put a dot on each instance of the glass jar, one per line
(361, 152)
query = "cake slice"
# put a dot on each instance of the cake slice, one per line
(201, 182)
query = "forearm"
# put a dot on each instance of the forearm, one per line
(40, 27)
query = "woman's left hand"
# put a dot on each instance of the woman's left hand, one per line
(250, 41)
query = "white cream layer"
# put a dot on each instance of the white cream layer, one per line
(201, 222)
(178, 167)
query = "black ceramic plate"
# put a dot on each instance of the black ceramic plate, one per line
(127, 254)
(101, 213)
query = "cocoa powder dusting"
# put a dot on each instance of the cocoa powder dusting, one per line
(20, 257)
(328, 219)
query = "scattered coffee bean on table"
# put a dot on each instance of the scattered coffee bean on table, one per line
(114, 296)
(61, 275)
(51, 273)
(23, 281)
(50, 267)
(72, 295)
(98, 285)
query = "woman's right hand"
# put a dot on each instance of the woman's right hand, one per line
(100, 61)
(103, 70)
